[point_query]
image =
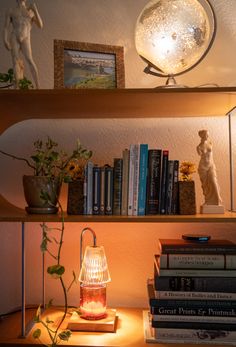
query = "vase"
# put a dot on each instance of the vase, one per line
(187, 199)
(33, 188)
(75, 201)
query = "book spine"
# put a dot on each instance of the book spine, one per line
(136, 180)
(197, 261)
(108, 190)
(192, 318)
(194, 325)
(186, 308)
(195, 284)
(175, 193)
(153, 181)
(142, 179)
(177, 295)
(96, 189)
(164, 175)
(102, 191)
(125, 183)
(90, 188)
(189, 336)
(197, 273)
(169, 190)
(131, 180)
(194, 248)
(117, 191)
(85, 189)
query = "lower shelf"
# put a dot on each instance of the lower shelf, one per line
(129, 332)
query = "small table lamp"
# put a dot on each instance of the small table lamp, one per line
(94, 275)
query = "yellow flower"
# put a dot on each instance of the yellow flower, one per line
(187, 169)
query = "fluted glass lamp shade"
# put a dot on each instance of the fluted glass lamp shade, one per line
(94, 275)
(173, 36)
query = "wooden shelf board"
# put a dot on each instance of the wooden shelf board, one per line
(11, 213)
(18, 105)
(129, 332)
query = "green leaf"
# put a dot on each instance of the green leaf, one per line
(65, 335)
(37, 333)
(37, 316)
(56, 271)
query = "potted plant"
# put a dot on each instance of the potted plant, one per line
(187, 203)
(50, 168)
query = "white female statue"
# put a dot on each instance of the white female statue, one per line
(17, 30)
(207, 174)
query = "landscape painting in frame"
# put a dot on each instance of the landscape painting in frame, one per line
(85, 65)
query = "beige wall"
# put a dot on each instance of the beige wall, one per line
(129, 247)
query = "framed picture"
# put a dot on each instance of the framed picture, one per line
(88, 65)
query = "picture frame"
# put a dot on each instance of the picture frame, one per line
(88, 65)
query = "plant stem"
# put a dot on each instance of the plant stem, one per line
(18, 158)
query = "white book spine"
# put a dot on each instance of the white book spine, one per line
(181, 318)
(180, 295)
(197, 261)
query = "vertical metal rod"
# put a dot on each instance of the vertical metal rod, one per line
(22, 279)
(231, 163)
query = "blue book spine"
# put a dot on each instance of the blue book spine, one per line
(143, 162)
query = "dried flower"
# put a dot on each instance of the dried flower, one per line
(187, 169)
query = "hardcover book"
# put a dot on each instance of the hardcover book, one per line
(89, 188)
(210, 247)
(196, 261)
(117, 186)
(132, 174)
(108, 190)
(164, 176)
(102, 190)
(186, 336)
(142, 189)
(153, 181)
(125, 183)
(96, 189)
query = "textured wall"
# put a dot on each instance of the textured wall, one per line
(129, 248)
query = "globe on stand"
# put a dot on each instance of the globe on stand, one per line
(173, 36)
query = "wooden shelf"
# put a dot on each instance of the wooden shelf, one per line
(129, 332)
(18, 105)
(11, 213)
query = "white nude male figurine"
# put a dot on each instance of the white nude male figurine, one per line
(17, 29)
(207, 174)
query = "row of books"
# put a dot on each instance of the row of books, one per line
(192, 297)
(142, 182)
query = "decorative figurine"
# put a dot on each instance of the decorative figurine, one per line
(207, 174)
(18, 24)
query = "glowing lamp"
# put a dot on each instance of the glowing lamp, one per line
(173, 36)
(94, 275)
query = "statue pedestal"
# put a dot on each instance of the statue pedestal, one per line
(212, 209)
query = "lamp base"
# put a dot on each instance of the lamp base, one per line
(107, 324)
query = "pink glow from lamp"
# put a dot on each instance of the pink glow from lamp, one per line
(94, 275)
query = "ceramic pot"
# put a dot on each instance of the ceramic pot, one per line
(34, 186)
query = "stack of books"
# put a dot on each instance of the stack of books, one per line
(193, 294)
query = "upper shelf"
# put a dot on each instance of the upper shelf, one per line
(18, 105)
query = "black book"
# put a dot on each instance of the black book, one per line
(108, 190)
(164, 181)
(117, 191)
(96, 189)
(153, 181)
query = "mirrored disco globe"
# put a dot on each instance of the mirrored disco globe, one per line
(173, 36)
